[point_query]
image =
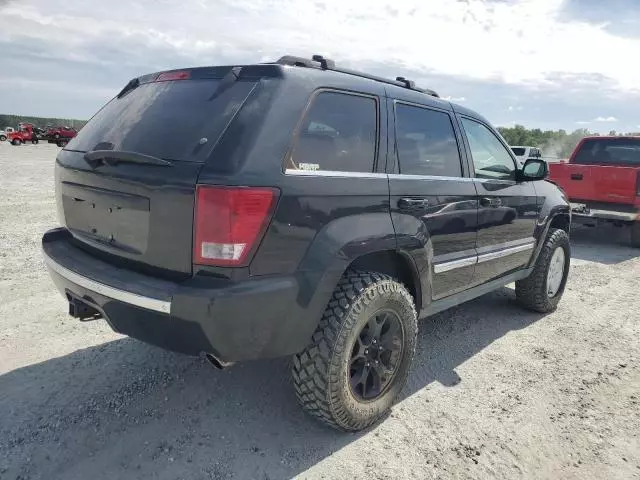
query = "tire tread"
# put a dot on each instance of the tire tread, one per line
(531, 292)
(315, 370)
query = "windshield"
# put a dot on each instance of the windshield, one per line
(609, 151)
(174, 120)
(517, 151)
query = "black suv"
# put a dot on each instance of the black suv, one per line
(295, 208)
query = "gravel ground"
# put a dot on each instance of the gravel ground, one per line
(495, 392)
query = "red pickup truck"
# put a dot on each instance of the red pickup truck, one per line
(602, 181)
(60, 135)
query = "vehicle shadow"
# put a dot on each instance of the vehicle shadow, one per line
(605, 244)
(127, 410)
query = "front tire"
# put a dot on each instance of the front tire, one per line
(34, 141)
(3, 138)
(360, 354)
(15, 142)
(542, 290)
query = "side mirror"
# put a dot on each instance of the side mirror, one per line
(534, 169)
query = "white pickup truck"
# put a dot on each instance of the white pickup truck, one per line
(5, 133)
(524, 153)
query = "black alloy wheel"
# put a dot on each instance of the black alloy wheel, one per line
(376, 355)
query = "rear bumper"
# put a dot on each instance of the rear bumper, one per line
(233, 321)
(622, 213)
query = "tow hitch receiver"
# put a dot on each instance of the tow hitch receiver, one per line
(80, 310)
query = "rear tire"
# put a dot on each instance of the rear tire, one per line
(3, 138)
(635, 235)
(330, 376)
(34, 141)
(536, 292)
(15, 142)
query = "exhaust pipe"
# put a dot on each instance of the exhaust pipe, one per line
(216, 362)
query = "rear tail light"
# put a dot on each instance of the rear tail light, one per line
(230, 222)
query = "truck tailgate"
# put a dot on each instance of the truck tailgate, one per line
(596, 183)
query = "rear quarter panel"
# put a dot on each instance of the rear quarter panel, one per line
(322, 222)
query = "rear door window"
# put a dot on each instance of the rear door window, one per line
(609, 151)
(426, 142)
(173, 120)
(339, 133)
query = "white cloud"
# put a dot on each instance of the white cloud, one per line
(494, 40)
(605, 119)
(454, 99)
(583, 122)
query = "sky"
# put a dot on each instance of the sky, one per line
(540, 63)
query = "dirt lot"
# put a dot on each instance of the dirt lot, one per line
(495, 391)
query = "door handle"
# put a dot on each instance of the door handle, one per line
(408, 203)
(576, 176)
(491, 202)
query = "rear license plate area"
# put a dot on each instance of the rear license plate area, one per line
(116, 219)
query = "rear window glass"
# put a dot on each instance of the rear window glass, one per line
(609, 151)
(426, 142)
(174, 120)
(339, 133)
(518, 151)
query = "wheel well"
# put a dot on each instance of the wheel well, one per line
(561, 221)
(394, 264)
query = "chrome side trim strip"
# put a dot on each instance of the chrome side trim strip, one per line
(332, 173)
(149, 303)
(403, 176)
(395, 176)
(486, 257)
(463, 262)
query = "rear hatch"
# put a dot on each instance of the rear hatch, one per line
(125, 184)
(605, 169)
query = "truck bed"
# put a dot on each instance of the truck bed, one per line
(596, 183)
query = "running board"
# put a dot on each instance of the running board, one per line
(475, 292)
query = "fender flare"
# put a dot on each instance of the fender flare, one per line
(334, 248)
(542, 229)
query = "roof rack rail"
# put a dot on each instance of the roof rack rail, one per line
(318, 61)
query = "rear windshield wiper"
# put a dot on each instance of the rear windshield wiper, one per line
(113, 157)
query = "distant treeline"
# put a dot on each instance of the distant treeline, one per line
(42, 122)
(554, 144)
